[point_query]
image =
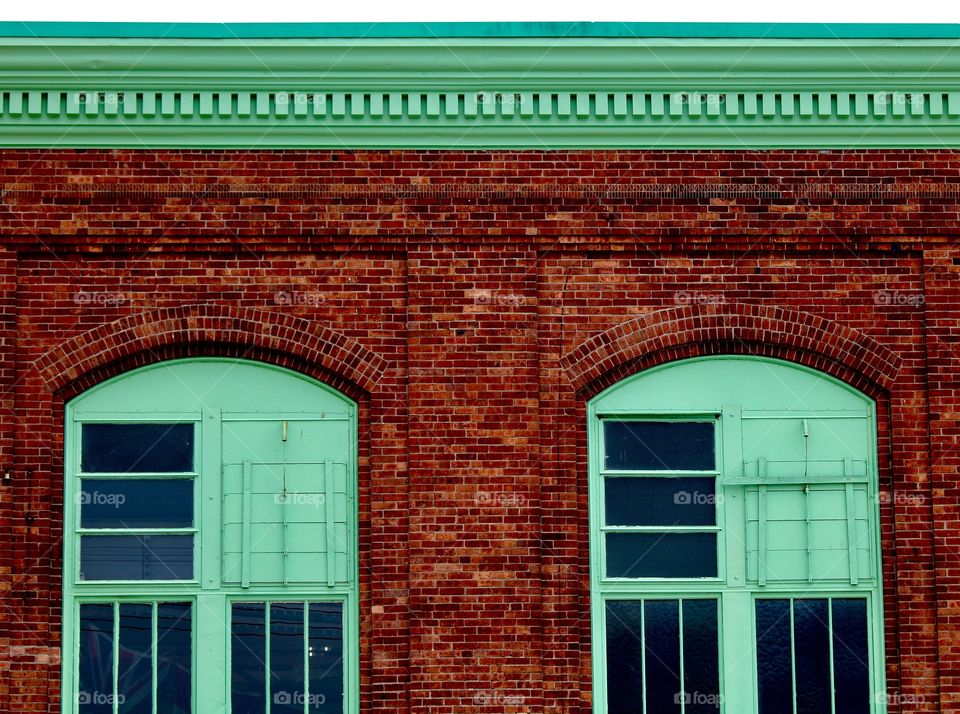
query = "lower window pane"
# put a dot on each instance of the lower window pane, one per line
(811, 643)
(774, 657)
(701, 657)
(286, 658)
(624, 656)
(95, 685)
(174, 657)
(248, 657)
(135, 664)
(662, 621)
(661, 555)
(850, 656)
(136, 557)
(325, 655)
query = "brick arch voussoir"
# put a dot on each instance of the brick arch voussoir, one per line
(811, 339)
(262, 329)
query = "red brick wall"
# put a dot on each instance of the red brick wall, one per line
(443, 290)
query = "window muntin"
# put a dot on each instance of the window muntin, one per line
(660, 517)
(796, 517)
(126, 526)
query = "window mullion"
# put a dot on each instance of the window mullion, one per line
(306, 657)
(155, 645)
(683, 684)
(793, 655)
(116, 656)
(643, 651)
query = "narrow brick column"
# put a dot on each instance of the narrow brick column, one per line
(942, 282)
(474, 523)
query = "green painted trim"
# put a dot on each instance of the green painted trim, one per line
(479, 93)
(247, 30)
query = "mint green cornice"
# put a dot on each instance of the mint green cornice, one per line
(488, 92)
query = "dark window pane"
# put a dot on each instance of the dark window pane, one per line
(287, 691)
(624, 657)
(135, 670)
(701, 657)
(658, 445)
(95, 686)
(133, 448)
(774, 662)
(850, 656)
(660, 501)
(661, 555)
(248, 656)
(662, 620)
(174, 657)
(326, 658)
(139, 557)
(811, 642)
(138, 503)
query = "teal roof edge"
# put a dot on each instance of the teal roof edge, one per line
(361, 30)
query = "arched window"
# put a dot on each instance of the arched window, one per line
(735, 542)
(210, 559)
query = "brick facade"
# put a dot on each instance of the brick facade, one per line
(472, 302)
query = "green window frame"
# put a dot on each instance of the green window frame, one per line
(796, 522)
(269, 460)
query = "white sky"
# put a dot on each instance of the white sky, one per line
(483, 10)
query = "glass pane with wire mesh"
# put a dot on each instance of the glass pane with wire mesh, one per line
(660, 501)
(136, 503)
(137, 448)
(661, 555)
(662, 656)
(819, 643)
(658, 445)
(136, 557)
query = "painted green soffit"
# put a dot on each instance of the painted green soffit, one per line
(369, 30)
(498, 91)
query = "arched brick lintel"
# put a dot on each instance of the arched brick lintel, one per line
(747, 329)
(251, 328)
